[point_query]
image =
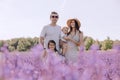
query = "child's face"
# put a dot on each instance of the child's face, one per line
(65, 30)
(51, 46)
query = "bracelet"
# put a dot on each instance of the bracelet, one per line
(44, 48)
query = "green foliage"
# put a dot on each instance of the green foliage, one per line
(13, 43)
(106, 44)
(20, 44)
(11, 48)
(1, 43)
(34, 41)
(84, 38)
(88, 42)
(24, 44)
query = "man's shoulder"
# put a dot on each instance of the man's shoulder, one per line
(59, 26)
(46, 25)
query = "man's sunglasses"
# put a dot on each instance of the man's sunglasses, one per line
(54, 16)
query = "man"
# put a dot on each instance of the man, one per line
(51, 31)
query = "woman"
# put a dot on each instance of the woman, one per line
(74, 40)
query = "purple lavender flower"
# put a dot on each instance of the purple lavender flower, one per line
(117, 47)
(94, 47)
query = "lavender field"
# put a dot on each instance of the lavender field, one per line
(20, 59)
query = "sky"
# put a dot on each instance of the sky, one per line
(26, 18)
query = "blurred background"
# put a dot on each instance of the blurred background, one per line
(25, 18)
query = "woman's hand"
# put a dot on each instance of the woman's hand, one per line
(67, 38)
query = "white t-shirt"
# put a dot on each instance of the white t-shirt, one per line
(51, 33)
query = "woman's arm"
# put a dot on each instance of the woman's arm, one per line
(81, 39)
(80, 42)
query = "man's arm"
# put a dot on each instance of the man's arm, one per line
(42, 36)
(41, 40)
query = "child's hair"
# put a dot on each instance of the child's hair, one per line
(64, 27)
(52, 41)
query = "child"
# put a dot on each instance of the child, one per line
(56, 57)
(63, 41)
(51, 54)
(52, 46)
(51, 61)
(64, 33)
